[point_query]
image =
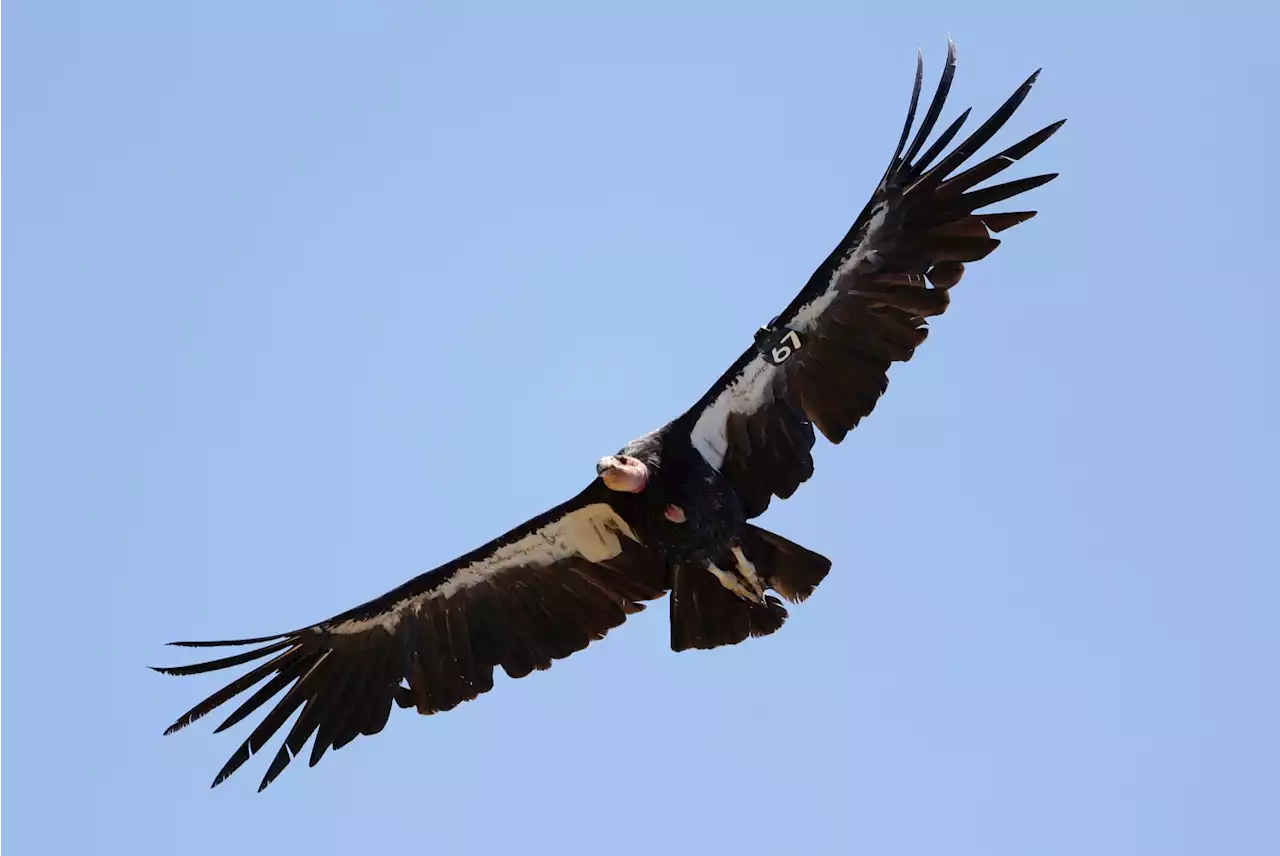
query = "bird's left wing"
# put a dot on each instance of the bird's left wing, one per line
(824, 361)
(538, 593)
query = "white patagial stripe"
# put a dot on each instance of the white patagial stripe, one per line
(753, 387)
(591, 532)
(746, 394)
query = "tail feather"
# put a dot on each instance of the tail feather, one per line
(705, 614)
(790, 570)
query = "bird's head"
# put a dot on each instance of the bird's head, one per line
(623, 473)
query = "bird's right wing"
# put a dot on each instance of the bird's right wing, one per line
(538, 593)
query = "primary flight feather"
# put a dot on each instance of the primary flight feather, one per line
(669, 512)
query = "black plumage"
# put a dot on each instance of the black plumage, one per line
(670, 512)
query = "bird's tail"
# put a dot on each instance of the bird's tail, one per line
(706, 614)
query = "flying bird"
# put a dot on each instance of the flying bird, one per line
(670, 511)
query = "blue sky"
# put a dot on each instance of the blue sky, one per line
(292, 284)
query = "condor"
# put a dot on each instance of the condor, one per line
(669, 512)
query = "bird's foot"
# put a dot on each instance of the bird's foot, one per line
(748, 572)
(734, 584)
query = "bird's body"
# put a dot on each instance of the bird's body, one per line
(680, 478)
(672, 511)
(690, 515)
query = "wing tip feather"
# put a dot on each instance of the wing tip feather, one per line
(228, 643)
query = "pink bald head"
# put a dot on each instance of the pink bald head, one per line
(623, 473)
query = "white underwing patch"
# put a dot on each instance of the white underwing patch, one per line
(591, 532)
(751, 390)
(753, 387)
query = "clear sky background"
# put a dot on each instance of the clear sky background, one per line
(307, 298)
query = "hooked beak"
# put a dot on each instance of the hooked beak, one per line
(623, 473)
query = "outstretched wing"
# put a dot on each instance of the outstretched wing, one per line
(824, 361)
(539, 593)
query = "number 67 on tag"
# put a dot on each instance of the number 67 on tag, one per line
(778, 346)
